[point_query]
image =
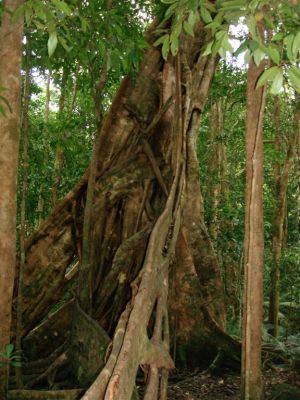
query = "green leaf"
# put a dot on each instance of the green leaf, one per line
(251, 22)
(62, 6)
(28, 15)
(205, 14)
(193, 17)
(166, 47)
(269, 23)
(288, 41)
(174, 38)
(273, 53)
(216, 46)
(188, 28)
(18, 13)
(226, 44)
(267, 75)
(253, 45)
(296, 45)
(170, 10)
(169, 1)
(232, 5)
(213, 25)
(208, 49)
(220, 35)
(9, 349)
(210, 6)
(247, 56)
(64, 44)
(52, 43)
(277, 82)
(253, 5)
(258, 56)
(39, 25)
(174, 46)
(278, 36)
(294, 75)
(177, 30)
(160, 40)
(242, 48)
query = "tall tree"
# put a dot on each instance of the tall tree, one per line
(10, 79)
(24, 126)
(252, 388)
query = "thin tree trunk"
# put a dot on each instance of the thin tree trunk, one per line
(19, 378)
(251, 379)
(215, 166)
(75, 88)
(59, 155)
(40, 208)
(48, 94)
(10, 78)
(281, 187)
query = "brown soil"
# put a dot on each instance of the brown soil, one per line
(187, 386)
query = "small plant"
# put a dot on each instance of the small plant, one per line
(9, 356)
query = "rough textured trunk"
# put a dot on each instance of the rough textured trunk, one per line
(281, 175)
(85, 284)
(147, 191)
(23, 210)
(251, 385)
(150, 287)
(10, 79)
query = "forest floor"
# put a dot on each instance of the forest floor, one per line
(187, 386)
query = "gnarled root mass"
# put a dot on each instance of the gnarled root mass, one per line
(148, 230)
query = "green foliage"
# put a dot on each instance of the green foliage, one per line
(281, 47)
(228, 90)
(80, 38)
(9, 356)
(73, 133)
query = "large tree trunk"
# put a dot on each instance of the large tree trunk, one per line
(147, 192)
(10, 79)
(23, 208)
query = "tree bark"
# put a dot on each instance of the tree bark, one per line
(85, 291)
(10, 79)
(23, 210)
(251, 384)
